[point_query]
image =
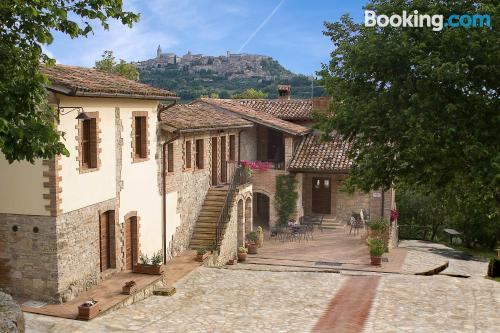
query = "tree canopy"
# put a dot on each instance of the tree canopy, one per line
(250, 94)
(419, 106)
(123, 68)
(27, 124)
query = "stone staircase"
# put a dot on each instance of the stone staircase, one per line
(204, 231)
(332, 224)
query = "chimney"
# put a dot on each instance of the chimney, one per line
(284, 91)
(320, 103)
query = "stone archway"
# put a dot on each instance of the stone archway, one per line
(248, 215)
(241, 226)
(261, 210)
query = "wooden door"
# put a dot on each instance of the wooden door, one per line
(223, 166)
(131, 243)
(215, 161)
(321, 195)
(104, 241)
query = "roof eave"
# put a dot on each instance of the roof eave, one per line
(171, 128)
(64, 90)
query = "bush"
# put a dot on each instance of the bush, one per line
(144, 259)
(494, 268)
(242, 249)
(380, 225)
(376, 246)
(252, 237)
(157, 258)
(285, 199)
(201, 251)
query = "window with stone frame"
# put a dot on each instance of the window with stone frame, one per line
(170, 157)
(140, 137)
(232, 148)
(200, 154)
(188, 155)
(88, 144)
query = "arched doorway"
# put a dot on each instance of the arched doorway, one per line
(248, 216)
(131, 243)
(241, 228)
(261, 210)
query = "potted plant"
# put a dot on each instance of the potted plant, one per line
(201, 254)
(152, 267)
(129, 288)
(88, 310)
(376, 246)
(380, 228)
(242, 253)
(252, 238)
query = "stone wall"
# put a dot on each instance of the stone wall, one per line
(11, 316)
(28, 256)
(78, 249)
(264, 182)
(229, 245)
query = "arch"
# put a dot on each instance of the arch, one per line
(241, 227)
(261, 210)
(248, 215)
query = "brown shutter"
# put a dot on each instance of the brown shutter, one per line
(93, 143)
(232, 148)
(144, 138)
(170, 153)
(188, 154)
(104, 241)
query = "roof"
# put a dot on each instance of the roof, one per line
(314, 154)
(290, 109)
(81, 81)
(255, 116)
(189, 117)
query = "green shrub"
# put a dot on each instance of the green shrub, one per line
(252, 237)
(376, 246)
(494, 268)
(242, 249)
(144, 259)
(285, 199)
(381, 225)
(157, 258)
(201, 251)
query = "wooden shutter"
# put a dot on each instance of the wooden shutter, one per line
(93, 143)
(232, 148)
(170, 161)
(188, 154)
(144, 138)
(104, 241)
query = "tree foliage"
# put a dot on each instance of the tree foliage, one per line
(122, 68)
(27, 123)
(285, 198)
(250, 93)
(420, 107)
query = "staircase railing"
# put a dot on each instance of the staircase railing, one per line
(238, 177)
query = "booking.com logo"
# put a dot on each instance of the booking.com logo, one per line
(417, 20)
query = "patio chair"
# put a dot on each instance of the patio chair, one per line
(356, 223)
(315, 220)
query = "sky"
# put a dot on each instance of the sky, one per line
(290, 31)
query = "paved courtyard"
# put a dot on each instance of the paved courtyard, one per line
(254, 298)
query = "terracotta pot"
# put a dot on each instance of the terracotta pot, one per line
(88, 312)
(201, 257)
(129, 290)
(376, 261)
(242, 256)
(148, 269)
(252, 248)
(231, 262)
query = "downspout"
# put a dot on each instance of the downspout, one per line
(164, 184)
(382, 205)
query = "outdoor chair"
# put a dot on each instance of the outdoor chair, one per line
(315, 220)
(356, 223)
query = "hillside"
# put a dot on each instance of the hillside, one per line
(208, 75)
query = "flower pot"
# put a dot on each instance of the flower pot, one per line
(231, 262)
(201, 257)
(148, 269)
(88, 312)
(129, 290)
(376, 261)
(252, 248)
(242, 256)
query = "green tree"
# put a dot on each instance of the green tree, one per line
(419, 106)
(27, 123)
(285, 199)
(250, 94)
(123, 68)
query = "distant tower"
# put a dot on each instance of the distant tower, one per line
(158, 51)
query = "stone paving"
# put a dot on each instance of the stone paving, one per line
(218, 300)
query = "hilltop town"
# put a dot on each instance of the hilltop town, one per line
(231, 66)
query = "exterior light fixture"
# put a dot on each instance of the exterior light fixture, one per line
(64, 110)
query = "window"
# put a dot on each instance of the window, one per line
(232, 148)
(200, 154)
(188, 155)
(170, 159)
(140, 137)
(89, 144)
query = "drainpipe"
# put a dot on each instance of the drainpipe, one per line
(382, 205)
(164, 184)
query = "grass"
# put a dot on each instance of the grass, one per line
(497, 279)
(476, 252)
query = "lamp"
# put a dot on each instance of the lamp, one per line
(64, 110)
(82, 116)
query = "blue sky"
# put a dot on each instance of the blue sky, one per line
(292, 35)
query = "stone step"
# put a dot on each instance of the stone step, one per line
(211, 207)
(213, 214)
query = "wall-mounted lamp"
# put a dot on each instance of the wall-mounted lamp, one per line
(64, 110)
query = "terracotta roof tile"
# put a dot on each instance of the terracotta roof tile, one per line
(256, 116)
(81, 81)
(187, 117)
(289, 109)
(314, 154)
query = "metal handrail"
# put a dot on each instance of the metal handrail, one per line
(239, 177)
